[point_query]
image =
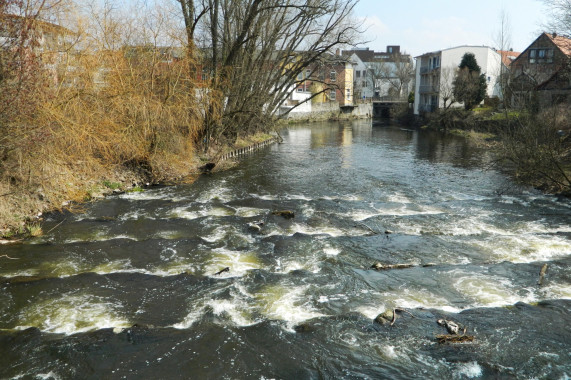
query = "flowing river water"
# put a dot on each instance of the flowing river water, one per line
(127, 289)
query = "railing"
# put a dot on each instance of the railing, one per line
(427, 69)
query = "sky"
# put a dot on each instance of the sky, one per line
(421, 26)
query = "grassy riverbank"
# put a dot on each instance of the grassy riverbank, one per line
(23, 203)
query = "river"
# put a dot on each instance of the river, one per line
(127, 288)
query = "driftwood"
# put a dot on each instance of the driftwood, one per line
(453, 330)
(542, 273)
(379, 266)
(451, 326)
(454, 338)
(227, 269)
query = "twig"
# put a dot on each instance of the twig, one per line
(11, 258)
(405, 311)
(394, 317)
(56, 226)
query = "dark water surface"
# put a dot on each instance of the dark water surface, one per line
(127, 289)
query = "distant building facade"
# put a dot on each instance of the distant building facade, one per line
(543, 70)
(435, 72)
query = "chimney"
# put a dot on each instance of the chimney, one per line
(554, 34)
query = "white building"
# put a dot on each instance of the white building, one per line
(363, 85)
(435, 73)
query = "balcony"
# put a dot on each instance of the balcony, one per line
(427, 89)
(428, 69)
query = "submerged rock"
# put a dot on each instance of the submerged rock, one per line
(388, 316)
(284, 213)
(451, 326)
(255, 226)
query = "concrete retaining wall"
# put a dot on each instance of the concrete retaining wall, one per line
(332, 111)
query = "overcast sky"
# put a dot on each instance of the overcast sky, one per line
(421, 26)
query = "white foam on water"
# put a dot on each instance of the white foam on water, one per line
(47, 376)
(150, 196)
(218, 234)
(346, 198)
(488, 291)
(371, 310)
(100, 236)
(190, 319)
(238, 311)
(239, 263)
(389, 352)
(21, 273)
(186, 213)
(360, 215)
(323, 230)
(399, 198)
(410, 298)
(136, 215)
(524, 248)
(286, 303)
(297, 197)
(470, 370)
(405, 211)
(329, 251)
(223, 194)
(71, 314)
(249, 212)
(555, 290)
(265, 197)
(289, 265)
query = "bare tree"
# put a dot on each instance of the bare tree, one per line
(446, 87)
(254, 50)
(503, 41)
(393, 76)
(559, 16)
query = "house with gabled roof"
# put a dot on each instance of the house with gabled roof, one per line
(542, 72)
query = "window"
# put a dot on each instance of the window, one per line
(348, 94)
(332, 95)
(307, 73)
(364, 84)
(333, 76)
(358, 73)
(300, 76)
(489, 79)
(300, 89)
(540, 55)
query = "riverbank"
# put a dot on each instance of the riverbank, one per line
(22, 207)
(533, 148)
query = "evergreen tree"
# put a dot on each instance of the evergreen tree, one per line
(469, 85)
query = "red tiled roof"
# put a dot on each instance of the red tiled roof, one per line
(508, 56)
(562, 43)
